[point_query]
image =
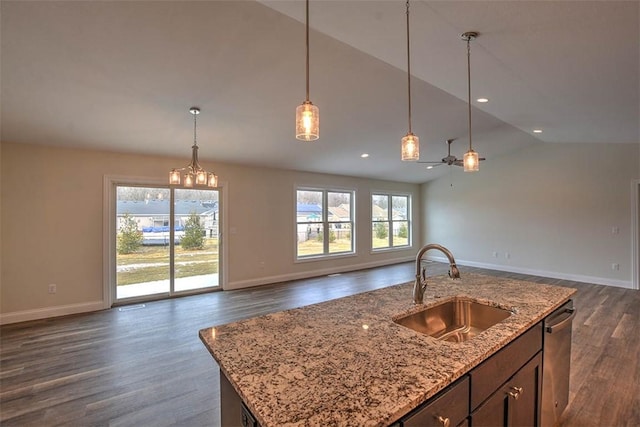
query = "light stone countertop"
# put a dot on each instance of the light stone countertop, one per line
(345, 362)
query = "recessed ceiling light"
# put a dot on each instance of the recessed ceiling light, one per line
(364, 155)
(482, 100)
(429, 167)
(537, 131)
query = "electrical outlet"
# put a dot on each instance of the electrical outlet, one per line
(495, 254)
(52, 288)
(615, 266)
(507, 255)
(615, 230)
(261, 264)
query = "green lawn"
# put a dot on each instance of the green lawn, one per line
(199, 262)
(314, 247)
(187, 263)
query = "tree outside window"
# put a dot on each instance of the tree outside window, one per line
(390, 221)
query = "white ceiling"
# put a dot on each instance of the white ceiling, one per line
(122, 75)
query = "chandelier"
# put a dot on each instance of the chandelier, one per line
(194, 174)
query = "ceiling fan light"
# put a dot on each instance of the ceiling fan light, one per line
(410, 147)
(307, 122)
(471, 161)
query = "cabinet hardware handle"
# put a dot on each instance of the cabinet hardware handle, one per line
(444, 421)
(517, 391)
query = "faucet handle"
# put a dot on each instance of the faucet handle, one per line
(454, 273)
(423, 275)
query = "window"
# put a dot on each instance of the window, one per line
(390, 221)
(324, 222)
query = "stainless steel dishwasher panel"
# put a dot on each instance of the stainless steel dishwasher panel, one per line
(556, 364)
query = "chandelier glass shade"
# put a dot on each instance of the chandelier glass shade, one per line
(410, 145)
(193, 174)
(307, 114)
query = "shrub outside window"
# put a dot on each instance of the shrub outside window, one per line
(324, 222)
(390, 221)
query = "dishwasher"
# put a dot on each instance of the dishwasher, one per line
(556, 363)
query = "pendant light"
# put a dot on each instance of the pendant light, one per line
(194, 174)
(471, 161)
(410, 142)
(307, 114)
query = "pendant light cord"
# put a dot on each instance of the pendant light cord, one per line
(307, 45)
(469, 85)
(408, 68)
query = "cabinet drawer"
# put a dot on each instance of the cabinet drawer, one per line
(496, 370)
(452, 403)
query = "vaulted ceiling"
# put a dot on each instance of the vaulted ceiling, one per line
(122, 75)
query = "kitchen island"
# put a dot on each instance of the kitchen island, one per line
(346, 362)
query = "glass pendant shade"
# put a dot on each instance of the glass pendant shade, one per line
(307, 122)
(471, 161)
(410, 147)
(174, 177)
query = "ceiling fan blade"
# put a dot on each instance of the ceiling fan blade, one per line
(482, 158)
(435, 163)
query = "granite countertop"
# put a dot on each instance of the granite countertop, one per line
(346, 363)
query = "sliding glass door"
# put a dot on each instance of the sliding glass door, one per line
(196, 257)
(166, 241)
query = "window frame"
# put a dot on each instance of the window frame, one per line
(325, 223)
(389, 222)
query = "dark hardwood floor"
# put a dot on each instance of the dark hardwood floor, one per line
(145, 365)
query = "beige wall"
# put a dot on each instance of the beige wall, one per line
(52, 225)
(551, 207)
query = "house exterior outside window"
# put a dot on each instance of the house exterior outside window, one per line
(324, 222)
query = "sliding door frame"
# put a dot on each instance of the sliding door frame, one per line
(110, 183)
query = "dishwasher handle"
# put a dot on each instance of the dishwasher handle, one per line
(555, 327)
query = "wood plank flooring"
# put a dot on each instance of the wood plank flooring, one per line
(143, 365)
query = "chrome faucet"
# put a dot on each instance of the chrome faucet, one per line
(420, 284)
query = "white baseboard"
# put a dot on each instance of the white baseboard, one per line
(45, 313)
(241, 284)
(543, 273)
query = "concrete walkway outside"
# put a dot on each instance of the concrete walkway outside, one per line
(162, 286)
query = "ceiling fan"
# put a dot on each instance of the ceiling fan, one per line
(449, 160)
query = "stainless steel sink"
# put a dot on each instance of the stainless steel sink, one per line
(456, 320)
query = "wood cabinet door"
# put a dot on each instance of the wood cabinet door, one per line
(517, 402)
(525, 392)
(493, 412)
